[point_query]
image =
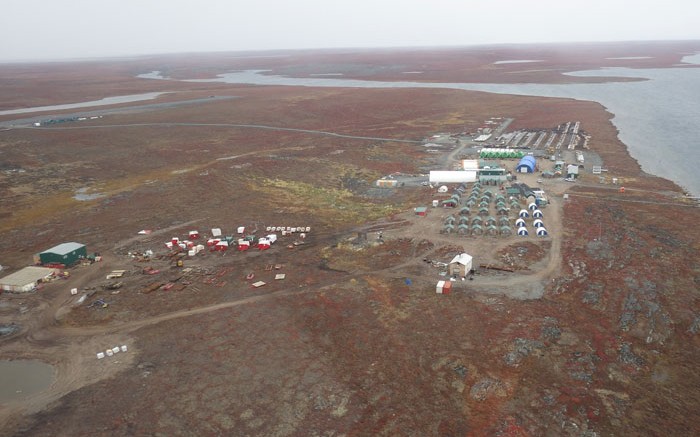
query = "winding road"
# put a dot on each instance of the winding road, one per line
(228, 125)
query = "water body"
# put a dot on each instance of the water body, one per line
(656, 117)
(82, 194)
(102, 102)
(22, 378)
(630, 57)
(31, 119)
(517, 61)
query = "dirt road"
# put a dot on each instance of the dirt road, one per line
(233, 125)
(72, 349)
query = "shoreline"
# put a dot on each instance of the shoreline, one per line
(600, 93)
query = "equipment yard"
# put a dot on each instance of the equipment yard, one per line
(311, 306)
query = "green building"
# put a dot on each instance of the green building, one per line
(65, 253)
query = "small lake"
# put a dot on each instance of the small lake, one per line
(102, 102)
(22, 378)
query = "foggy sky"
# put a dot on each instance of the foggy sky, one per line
(46, 30)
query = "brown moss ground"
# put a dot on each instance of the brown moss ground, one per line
(610, 348)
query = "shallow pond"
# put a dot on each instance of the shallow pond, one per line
(21, 378)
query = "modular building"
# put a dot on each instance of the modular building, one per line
(65, 253)
(421, 210)
(387, 183)
(470, 164)
(26, 279)
(452, 177)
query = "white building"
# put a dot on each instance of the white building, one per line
(572, 171)
(26, 279)
(452, 177)
(470, 164)
(460, 265)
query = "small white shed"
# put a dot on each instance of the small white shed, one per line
(460, 265)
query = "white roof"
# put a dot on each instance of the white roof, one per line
(64, 248)
(463, 259)
(447, 176)
(26, 276)
(470, 164)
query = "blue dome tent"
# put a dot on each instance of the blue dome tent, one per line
(526, 164)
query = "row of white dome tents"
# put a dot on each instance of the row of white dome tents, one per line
(536, 213)
(520, 222)
(541, 231)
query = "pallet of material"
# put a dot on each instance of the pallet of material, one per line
(494, 267)
(116, 274)
(152, 287)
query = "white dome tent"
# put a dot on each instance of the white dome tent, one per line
(541, 232)
(538, 223)
(523, 231)
(537, 213)
(532, 206)
(523, 213)
(520, 223)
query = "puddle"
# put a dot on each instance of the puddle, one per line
(9, 329)
(22, 378)
(82, 195)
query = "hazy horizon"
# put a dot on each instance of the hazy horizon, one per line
(41, 31)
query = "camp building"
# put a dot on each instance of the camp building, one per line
(65, 253)
(26, 279)
(461, 265)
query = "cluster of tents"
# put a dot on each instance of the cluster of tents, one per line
(537, 215)
(484, 223)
